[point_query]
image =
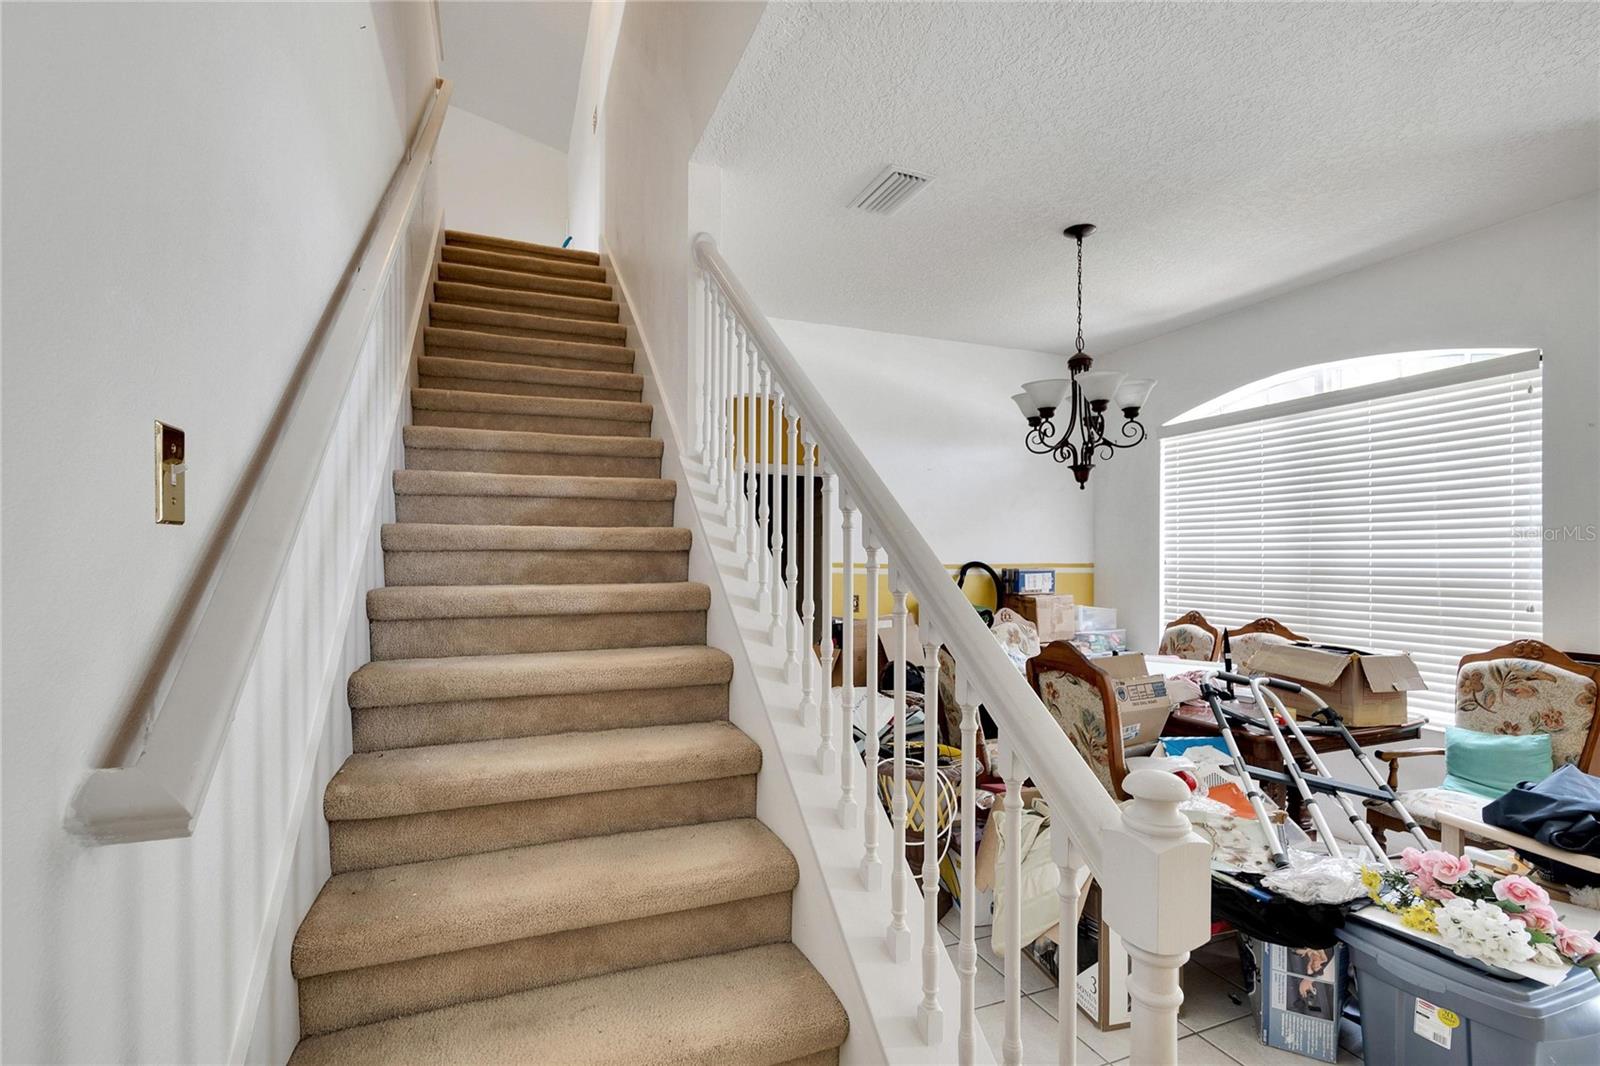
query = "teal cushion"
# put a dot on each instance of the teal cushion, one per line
(1492, 764)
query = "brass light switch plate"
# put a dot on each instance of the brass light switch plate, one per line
(170, 476)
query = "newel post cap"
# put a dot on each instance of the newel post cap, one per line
(1158, 881)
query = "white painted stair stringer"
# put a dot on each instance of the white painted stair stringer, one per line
(838, 924)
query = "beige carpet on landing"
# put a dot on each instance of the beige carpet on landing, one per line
(545, 847)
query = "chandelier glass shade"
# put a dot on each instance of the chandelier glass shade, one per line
(1067, 416)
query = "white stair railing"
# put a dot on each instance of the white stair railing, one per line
(1152, 868)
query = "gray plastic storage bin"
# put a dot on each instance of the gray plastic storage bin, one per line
(1497, 1022)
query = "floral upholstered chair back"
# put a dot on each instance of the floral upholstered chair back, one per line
(1247, 640)
(1079, 698)
(1526, 688)
(1190, 636)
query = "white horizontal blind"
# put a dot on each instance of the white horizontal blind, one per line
(1401, 520)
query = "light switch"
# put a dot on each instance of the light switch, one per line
(170, 475)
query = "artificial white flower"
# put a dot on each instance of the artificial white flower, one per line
(1480, 930)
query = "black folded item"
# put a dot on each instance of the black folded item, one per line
(1562, 811)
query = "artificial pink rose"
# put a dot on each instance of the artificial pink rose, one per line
(1411, 859)
(1575, 943)
(1520, 890)
(1424, 885)
(1439, 892)
(1444, 867)
(1540, 917)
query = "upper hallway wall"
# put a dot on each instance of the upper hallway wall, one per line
(497, 181)
(184, 185)
(673, 59)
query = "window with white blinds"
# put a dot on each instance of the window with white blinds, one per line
(1404, 515)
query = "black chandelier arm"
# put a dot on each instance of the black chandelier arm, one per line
(1133, 433)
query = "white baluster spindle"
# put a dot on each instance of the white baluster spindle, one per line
(808, 609)
(871, 864)
(741, 434)
(826, 752)
(753, 516)
(847, 665)
(791, 662)
(967, 956)
(1011, 856)
(898, 939)
(1068, 862)
(930, 1015)
(775, 485)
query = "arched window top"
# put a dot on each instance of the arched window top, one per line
(1341, 374)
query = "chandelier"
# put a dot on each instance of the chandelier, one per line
(1090, 392)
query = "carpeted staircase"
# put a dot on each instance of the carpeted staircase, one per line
(545, 847)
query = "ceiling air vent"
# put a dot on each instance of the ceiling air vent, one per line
(885, 193)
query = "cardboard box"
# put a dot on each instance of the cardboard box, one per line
(862, 628)
(1051, 615)
(1142, 700)
(1365, 687)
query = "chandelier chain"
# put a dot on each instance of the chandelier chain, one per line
(1080, 295)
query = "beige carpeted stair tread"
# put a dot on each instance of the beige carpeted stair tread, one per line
(432, 536)
(383, 784)
(403, 682)
(491, 319)
(522, 263)
(565, 486)
(370, 917)
(546, 303)
(507, 244)
(450, 438)
(762, 1006)
(348, 998)
(508, 601)
(489, 345)
(510, 279)
(626, 387)
(547, 406)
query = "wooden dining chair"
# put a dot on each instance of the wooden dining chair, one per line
(1190, 636)
(1080, 698)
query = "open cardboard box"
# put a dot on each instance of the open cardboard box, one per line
(1365, 687)
(1053, 615)
(1142, 701)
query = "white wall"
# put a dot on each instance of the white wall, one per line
(1530, 282)
(501, 182)
(935, 418)
(184, 186)
(586, 145)
(672, 60)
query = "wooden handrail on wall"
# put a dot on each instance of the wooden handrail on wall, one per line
(158, 772)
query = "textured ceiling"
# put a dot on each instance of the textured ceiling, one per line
(1227, 151)
(516, 62)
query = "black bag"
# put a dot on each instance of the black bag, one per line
(1562, 811)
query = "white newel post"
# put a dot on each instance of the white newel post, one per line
(1156, 893)
(871, 864)
(899, 936)
(826, 752)
(967, 956)
(930, 1015)
(848, 809)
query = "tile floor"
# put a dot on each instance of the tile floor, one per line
(1215, 1027)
